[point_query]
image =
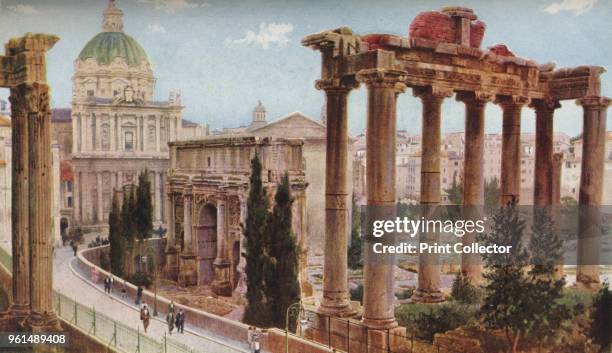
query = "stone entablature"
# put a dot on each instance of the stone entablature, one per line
(207, 194)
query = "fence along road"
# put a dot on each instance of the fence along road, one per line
(113, 322)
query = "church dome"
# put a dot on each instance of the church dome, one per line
(112, 42)
(106, 46)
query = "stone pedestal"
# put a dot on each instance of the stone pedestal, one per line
(591, 187)
(510, 183)
(335, 299)
(187, 275)
(473, 176)
(428, 286)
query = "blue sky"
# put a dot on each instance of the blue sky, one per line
(226, 55)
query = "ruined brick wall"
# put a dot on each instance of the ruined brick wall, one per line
(440, 27)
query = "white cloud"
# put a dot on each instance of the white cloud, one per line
(156, 28)
(272, 33)
(578, 7)
(23, 9)
(174, 5)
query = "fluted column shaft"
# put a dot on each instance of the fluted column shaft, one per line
(510, 183)
(591, 188)
(473, 176)
(378, 277)
(40, 205)
(543, 177)
(187, 223)
(335, 280)
(428, 284)
(20, 111)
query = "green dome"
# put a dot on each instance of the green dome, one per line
(106, 46)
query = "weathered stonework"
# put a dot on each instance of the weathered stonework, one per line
(442, 56)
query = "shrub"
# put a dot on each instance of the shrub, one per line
(601, 316)
(404, 293)
(464, 292)
(425, 320)
(141, 279)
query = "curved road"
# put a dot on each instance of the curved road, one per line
(69, 282)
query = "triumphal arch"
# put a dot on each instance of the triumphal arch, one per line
(440, 58)
(23, 70)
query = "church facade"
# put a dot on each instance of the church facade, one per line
(118, 129)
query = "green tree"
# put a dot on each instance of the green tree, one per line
(116, 239)
(545, 290)
(354, 250)
(506, 292)
(255, 233)
(601, 318)
(127, 217)
(143, 210)
(282, 287)
(455, 192)
(491, 193)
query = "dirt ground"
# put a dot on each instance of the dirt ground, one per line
(200, 297)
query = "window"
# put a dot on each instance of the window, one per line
(69, 201)
(129, 141)
(90, 93)
(208, 161)
(69, 186)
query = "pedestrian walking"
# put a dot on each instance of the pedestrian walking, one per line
(74, 247)
(106, 284)
(138, 295)
(180, 321)
(123, 291)
(145, 317)
(170, 322)
(256, 344)
(111, 281)
(171, 307)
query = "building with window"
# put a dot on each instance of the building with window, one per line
(118, 128)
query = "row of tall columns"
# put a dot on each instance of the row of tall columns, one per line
(32, 301)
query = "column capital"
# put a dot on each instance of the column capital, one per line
(383, 78)
(594, 102)
(337, 85)
(548, 104)
(512, 101)
(475, 97)
(432, 92)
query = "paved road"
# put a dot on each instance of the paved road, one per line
(73, 286)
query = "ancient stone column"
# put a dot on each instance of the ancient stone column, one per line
(556, 178)
(378, 279)
(591, 187)
(543, 181)
(158, 196)
(187, 222)
(222, 284)
(510, 183)
(20, 98)
(428, 285)
(76, 196)
(335, 299)
(473, 179)
(42, 317)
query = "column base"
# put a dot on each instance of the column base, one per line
(427, 296)
(14, 319)
(588, 280)
(343, 310)
(222, 285)
(43, 322)
(187, 270)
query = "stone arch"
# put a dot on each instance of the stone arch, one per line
(206, 236)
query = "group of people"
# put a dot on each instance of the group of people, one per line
(172, 319)
(253, 339)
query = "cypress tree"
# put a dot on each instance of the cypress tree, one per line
(354, 249)
(282, 287)
(143, 209)
(255, 312)
(127, 217)
(115, 237)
